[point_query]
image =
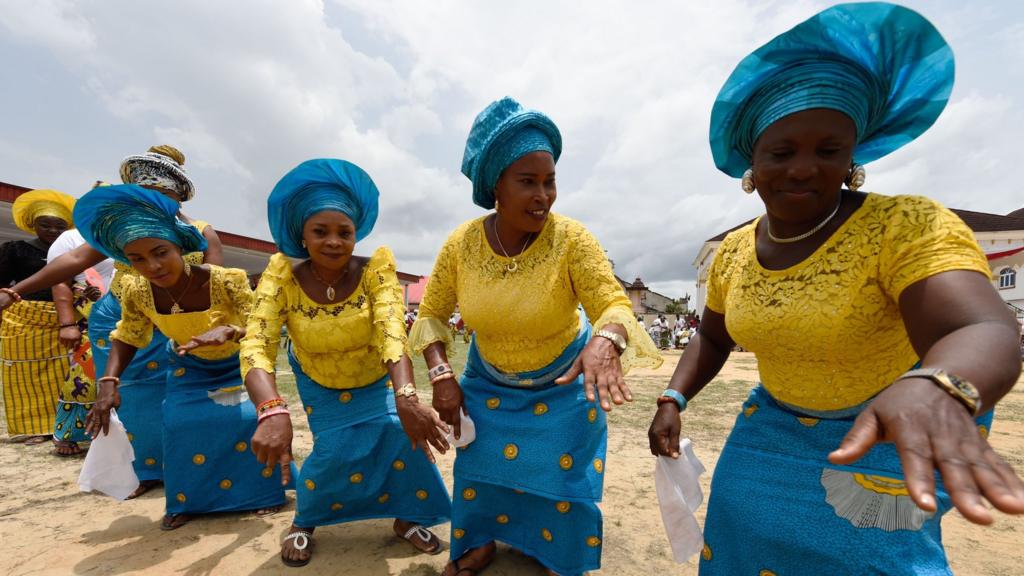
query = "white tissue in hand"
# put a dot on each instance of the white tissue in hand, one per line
(108, 464)
(466, 434)
(677, 481)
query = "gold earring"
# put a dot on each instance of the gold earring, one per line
(495, 204)
(855, 179)
(188, 267)
(747, 182)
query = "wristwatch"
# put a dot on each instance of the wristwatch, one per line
(407, 390)
(960, 389)
(616, 339)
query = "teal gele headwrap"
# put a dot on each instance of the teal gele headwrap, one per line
(111, 217)
(884, 66)
(318, 186)
(503, 133)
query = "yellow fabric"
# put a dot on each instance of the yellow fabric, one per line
(32, 205)
(121, 269)
(524, 319)
(32, 366)
(827, 332)
(230, 303)
(342, 345)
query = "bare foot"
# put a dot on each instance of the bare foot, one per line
(296, 548)
(422, 539)
(268, 511)
(144, 486)
(472, 562)
(37, 439)
(66, 448)
(174, 521)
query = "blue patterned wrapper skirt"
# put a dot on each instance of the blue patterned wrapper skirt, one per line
(533, 476)
(778, 507)
(142, 387)
(362, 465)
(208, 422)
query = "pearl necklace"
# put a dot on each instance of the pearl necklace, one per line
(808, 234)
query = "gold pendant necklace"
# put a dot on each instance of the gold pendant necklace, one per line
(330, 286)
(511, 266)
(175, 308)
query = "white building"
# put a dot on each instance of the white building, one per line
(1001, 237)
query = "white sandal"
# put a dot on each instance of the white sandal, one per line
(426, 536)
(301, 542)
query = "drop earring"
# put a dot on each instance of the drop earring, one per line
(747, 182)
(855, 179)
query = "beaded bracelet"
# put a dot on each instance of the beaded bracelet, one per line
(272, 403)
(272, 412)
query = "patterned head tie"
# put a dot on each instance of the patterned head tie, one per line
(162, 166)
(38, 203)
(315, 186)
(884, 66)
(111, 217)
(503, 133)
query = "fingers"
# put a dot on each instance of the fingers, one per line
(456, 421)
(955, 462)
(438, 422)
(572, 374)
(105, 421)
(286, 469)
(1010, 497)
(427, 452)
(917, 458)
(864, 434)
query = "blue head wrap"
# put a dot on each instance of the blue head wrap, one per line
(111, 217)
(317, 186)
(503, 133)
(884, 66)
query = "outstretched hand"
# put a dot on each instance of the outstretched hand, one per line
(931, 430)
(213, 337)
(602, 374)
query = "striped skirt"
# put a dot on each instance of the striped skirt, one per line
(778, 506)
(34, 365)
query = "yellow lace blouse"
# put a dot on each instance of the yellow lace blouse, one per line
(827, 331)
(230, 303)
(525, 319)
(121, 269)
(342, 345)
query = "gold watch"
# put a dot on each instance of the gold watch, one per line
(409, 390)
(960, 389)
(617, 339)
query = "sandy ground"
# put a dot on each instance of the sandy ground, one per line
(48, 527)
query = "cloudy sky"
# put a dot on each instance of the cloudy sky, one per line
(250, 88)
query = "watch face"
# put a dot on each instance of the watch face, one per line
(963, 386)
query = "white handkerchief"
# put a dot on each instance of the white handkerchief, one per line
(108, 465)
(467, 433)
(677, 481)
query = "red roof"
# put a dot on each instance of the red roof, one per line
(415, 291)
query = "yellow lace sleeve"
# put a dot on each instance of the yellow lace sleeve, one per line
(439, 300)
(604, 300)
(386, 305)
(267, 315)
(718, 273)
(235, 297)
(134, 328)
(922, 239)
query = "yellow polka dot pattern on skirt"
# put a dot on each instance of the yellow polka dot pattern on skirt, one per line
(101, 343)
(458, 533)
(809, 422)
(309, 409)
(131, 437)
(355, 478)
(766, 573)
(493, 403)
(593, 541)
(598, 465)
(267, 472)
(983, 430)
(592, 415)
(706, 553)
(152, 365)
(179, 372)
(383, 498)
(310, 485)
(563, 507)
(337, 506)
(421, 494)
(540, 409)
(546, 534)
(511, 451)
(469, 494)
(199, 459)
(225, 484)
(240, 446)
(180, 497)
(345, 397)
(398, 465)
(502, 519)
(150, 461)
(565, 462)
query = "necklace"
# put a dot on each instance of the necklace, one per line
(175, 308)
(512, 266)
(807, 234)
(330, 285)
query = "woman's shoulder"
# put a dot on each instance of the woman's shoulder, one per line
(382, 257)
(736, 239)
(229, 275)
(467, 230)
(907, 211)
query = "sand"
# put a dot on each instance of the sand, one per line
(48, 527)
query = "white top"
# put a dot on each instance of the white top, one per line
(68, 241)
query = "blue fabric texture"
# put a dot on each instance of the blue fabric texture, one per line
(208, 422)
(317, 186)
(143, 387)
(503, 133)
(111, 217)
(796, 512)
(533, 476)
(884, 66)
(362, 465)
